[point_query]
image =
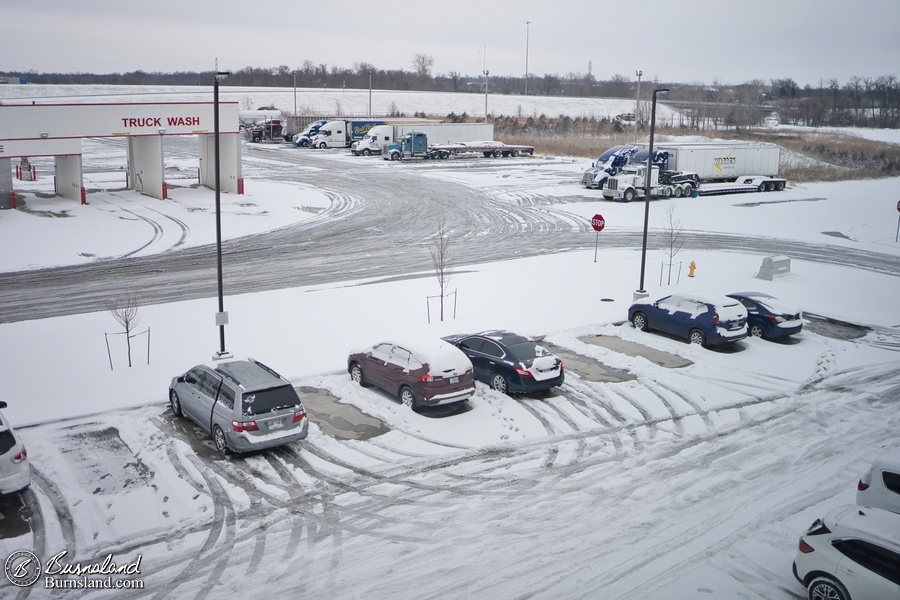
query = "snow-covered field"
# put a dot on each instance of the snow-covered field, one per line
(682, 482)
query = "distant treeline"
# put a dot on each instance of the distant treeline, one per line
(862, 101)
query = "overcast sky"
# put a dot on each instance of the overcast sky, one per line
(730, 41)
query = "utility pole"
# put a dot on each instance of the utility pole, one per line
(637, 100)
(527, 31)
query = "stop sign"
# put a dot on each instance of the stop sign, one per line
(598, 223)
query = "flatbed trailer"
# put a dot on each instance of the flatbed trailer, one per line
(742, 185)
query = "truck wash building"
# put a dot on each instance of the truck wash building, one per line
(56, 130)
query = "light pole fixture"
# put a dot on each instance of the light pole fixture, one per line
(641, 290)
(486, 73)
(527, 31)
(221, 316)
(637, 97)
(370, 92)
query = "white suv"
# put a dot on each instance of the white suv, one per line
(880, 485)
(15, 473)
(851, 554)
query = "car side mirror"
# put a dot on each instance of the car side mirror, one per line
(180, 379)
(2, 404)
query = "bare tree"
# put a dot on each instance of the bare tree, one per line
(673, 237)
(422, 64)
(124, 309)
(442, 261)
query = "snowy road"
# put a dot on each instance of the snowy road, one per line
(378, 217)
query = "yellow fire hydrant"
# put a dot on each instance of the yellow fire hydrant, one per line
(691, 268)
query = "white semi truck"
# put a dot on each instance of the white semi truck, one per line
(380, 136)
(707, 167)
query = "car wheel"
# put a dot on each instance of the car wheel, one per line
(219, 440)
(826, 588)
(696, 337)
(357, 375)
(756, 330)
(498, 382)
(175, 403)
(639, 320)
(408, 398)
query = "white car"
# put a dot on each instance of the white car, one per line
(15, 472)
(851, 554)
(880, 484)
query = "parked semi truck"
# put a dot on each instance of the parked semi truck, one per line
(341, 133)
(304, 138)
(708, 167)
(380, 136)
(416, 145)
(607, 164)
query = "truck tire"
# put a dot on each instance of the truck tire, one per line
(322, 145)
(444, 155)
(677, 191)
(628, 196)
(666, 192)
(497, 154)
(256, 139)
(395, 156)
(779, 186)
(487, 154)
(514, 153)
(366, 152)
(761, 187)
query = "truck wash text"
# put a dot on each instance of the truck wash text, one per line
(157, 121)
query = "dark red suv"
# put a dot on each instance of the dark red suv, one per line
(420, 373)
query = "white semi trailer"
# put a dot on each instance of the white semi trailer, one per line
(380, 136)
(707, 167)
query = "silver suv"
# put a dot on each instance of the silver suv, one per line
(243, 404)
(853, 553)
(880, 484)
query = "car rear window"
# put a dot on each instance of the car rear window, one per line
(529, 349)
(263, 401)
(7, 441)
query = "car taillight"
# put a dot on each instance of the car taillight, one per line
(775, 318)
(864, 481)
(523, 372)
(715, 318)
(805, 548)
(241, 426)
(427, 377)
(20, 456)
(299, 415)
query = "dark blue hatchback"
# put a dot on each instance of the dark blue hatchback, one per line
(766, 318)
(510, 363)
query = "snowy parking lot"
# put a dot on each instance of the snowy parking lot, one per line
(686, 479)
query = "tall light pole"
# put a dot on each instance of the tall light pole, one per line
(486, 73)
(637, 97)
(221, 316)
(370, 92)
(641, 291)
(527, 31)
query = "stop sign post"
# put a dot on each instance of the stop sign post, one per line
(598, 223)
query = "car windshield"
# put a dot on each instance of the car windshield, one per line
(527, 350)
(263, 401)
